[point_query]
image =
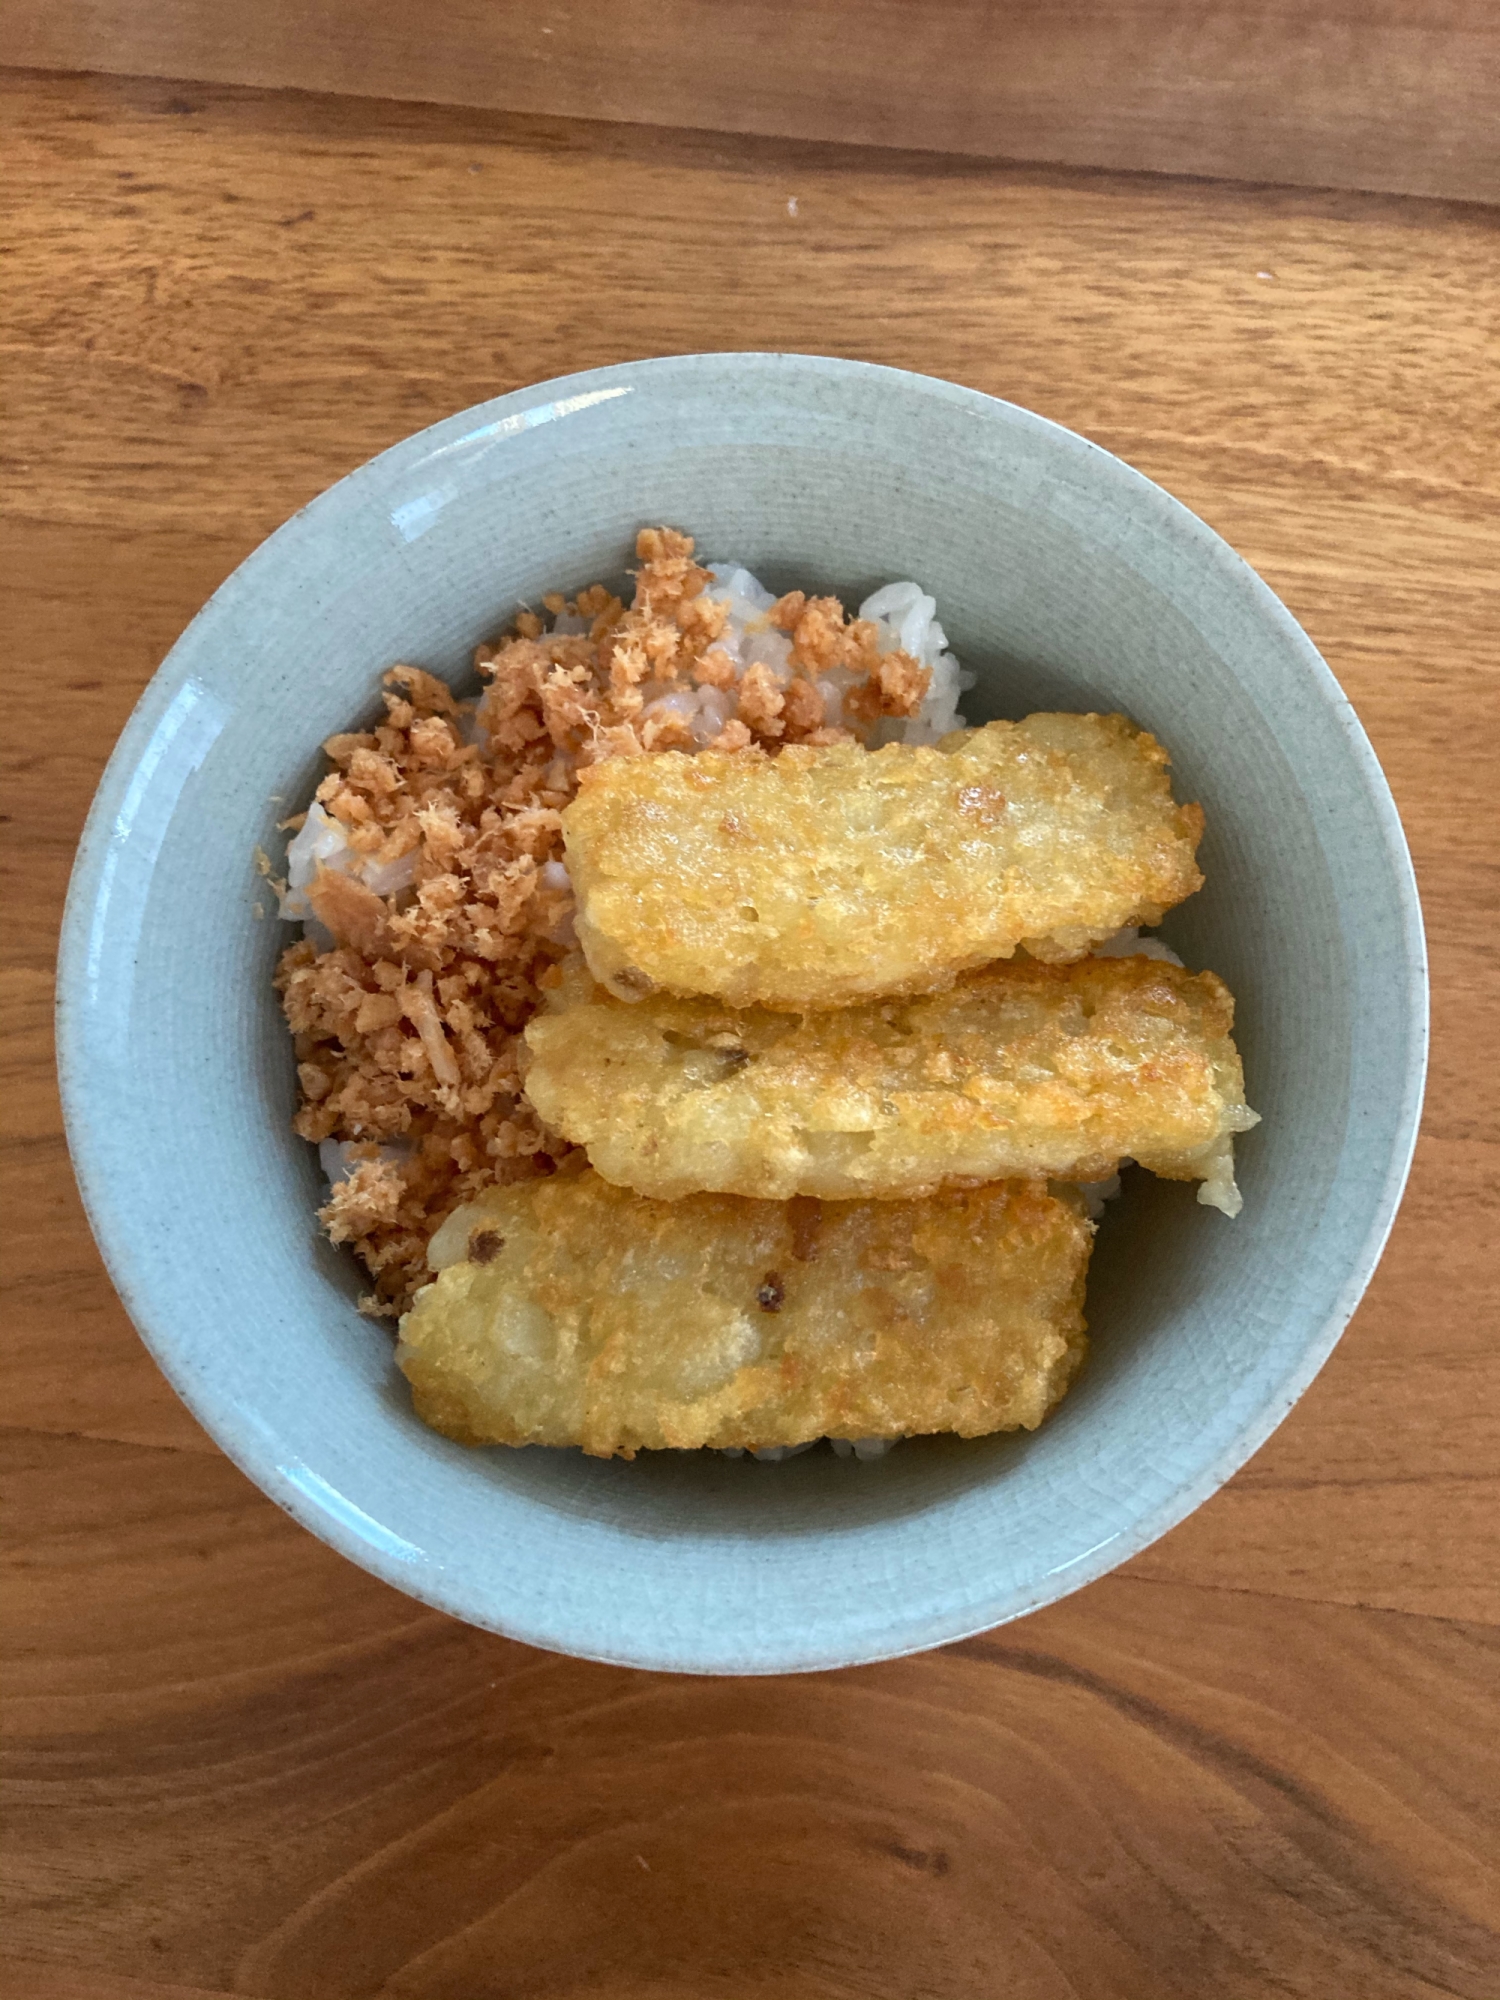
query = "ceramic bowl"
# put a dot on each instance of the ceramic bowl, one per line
(1065, 580)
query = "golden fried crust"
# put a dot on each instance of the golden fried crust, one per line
(824, 876)
(568, 1311)
(1019, 1069)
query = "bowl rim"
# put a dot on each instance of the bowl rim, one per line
(342, 1526)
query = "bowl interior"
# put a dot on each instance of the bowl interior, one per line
(1064, 580)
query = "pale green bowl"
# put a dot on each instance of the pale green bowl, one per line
(1066, 580)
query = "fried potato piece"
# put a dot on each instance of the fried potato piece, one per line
(824, 876)
(568, 1311)
(1019, 1070)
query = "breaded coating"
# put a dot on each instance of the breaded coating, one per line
(570, 1312)
(828, 875)
(1018, 1070)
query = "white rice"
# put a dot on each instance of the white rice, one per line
(553, 876)
(1097, 1194)
(906, 617)
(323, 842)
(863, 1449)
(1129, 943)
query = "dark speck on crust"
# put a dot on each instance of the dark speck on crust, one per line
(485, 1246)
(771, 1293)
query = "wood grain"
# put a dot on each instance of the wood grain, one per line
(1256, 1761)
(35, 1979)
(1402, 96)
(1150, 1790)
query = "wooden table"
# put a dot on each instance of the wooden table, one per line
(1260, 1759)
